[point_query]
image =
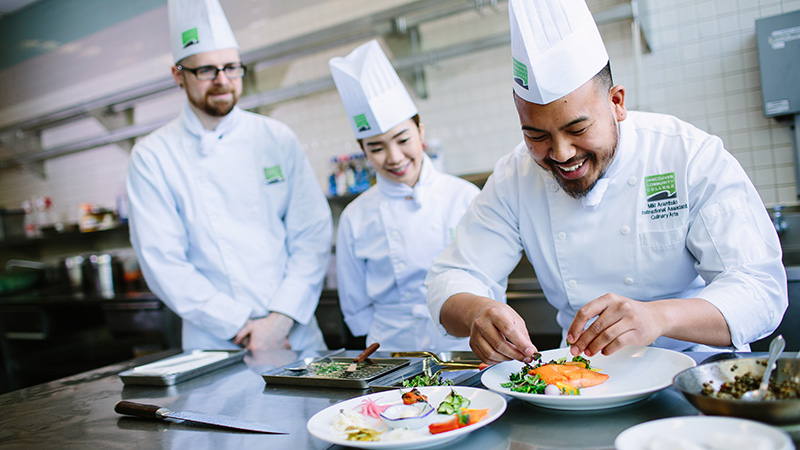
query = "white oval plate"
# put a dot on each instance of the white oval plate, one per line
(634, 373)
(319, 425)
(708, 432)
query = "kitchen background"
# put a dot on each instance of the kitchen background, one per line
(696, 59)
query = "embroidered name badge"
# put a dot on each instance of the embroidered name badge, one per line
(273, 174)
(662, 197)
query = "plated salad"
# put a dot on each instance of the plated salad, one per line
(373, 420)
(555, 377)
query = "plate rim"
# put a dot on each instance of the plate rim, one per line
(784, 436)
(591, 402)
(424, 441)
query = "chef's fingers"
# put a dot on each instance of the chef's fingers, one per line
(487, 352)
(505, 332)
(496, 347)
(579, 335)
(481, 354)
(243, 335)
(622, 340)
(603, 332)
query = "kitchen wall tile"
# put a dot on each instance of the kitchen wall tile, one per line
(784, 174)
(781, 136)
(785, 195)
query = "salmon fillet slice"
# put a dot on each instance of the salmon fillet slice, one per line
(575, 376)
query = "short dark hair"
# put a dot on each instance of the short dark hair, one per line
(415, 118)
(604, 79)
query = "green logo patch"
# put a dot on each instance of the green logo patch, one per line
(660, 187)
(273, 174)
(520, 73)
(190, 37)
(362, 124)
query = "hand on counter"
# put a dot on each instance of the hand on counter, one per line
(267, 333)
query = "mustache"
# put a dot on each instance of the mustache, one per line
(575, 159)
(220, 91)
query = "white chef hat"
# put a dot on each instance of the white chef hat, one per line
(555, 48)
(373, 95)
(197, 26)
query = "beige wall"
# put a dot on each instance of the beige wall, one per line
(702, 68)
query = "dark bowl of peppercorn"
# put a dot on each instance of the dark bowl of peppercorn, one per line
(716, 389)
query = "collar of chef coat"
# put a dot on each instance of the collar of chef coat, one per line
(208, 138)
(393, 189)
(592, 198)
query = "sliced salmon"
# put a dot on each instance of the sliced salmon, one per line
(577, 377)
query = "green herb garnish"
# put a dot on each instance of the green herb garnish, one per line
(424, 380)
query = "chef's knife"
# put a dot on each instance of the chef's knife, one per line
(360, 358)
(157, 412)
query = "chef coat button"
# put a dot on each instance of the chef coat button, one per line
(400, 267)
(435, 226)
(553, 187)
(394, 233)
(629, 281)
(406, 295)
(624, 230)
(632, 181)
(562, 235)
(572, 283)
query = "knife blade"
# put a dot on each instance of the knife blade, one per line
(156, 412)
(364, 355)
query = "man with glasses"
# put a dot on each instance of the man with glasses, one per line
(228, 221)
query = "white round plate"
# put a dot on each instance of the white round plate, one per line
(703, 431)
(319, 425)
(634, 373)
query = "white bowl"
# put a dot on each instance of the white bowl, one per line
(407, 416)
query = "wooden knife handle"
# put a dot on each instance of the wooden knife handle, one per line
(365, 354)
(137, 409)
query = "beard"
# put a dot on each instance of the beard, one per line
(578, 189)
(216, 108)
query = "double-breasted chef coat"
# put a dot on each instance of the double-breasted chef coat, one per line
(386, 241)
(230, 224)
(675, 216)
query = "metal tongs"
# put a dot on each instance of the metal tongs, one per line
(452, 365)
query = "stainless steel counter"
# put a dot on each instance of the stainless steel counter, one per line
(78, 412)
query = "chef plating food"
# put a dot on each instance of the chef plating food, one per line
(641, 228)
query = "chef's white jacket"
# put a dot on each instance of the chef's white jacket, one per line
(674, 216)
(228, 225)
(386, 241)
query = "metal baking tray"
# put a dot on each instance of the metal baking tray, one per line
(335, 374)
(181, 367)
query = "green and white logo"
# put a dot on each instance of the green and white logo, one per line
(520, 73)
(660, 187)
(362, 124)
(190, 37)
(273, 174)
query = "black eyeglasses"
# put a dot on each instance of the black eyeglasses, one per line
(206, 73)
